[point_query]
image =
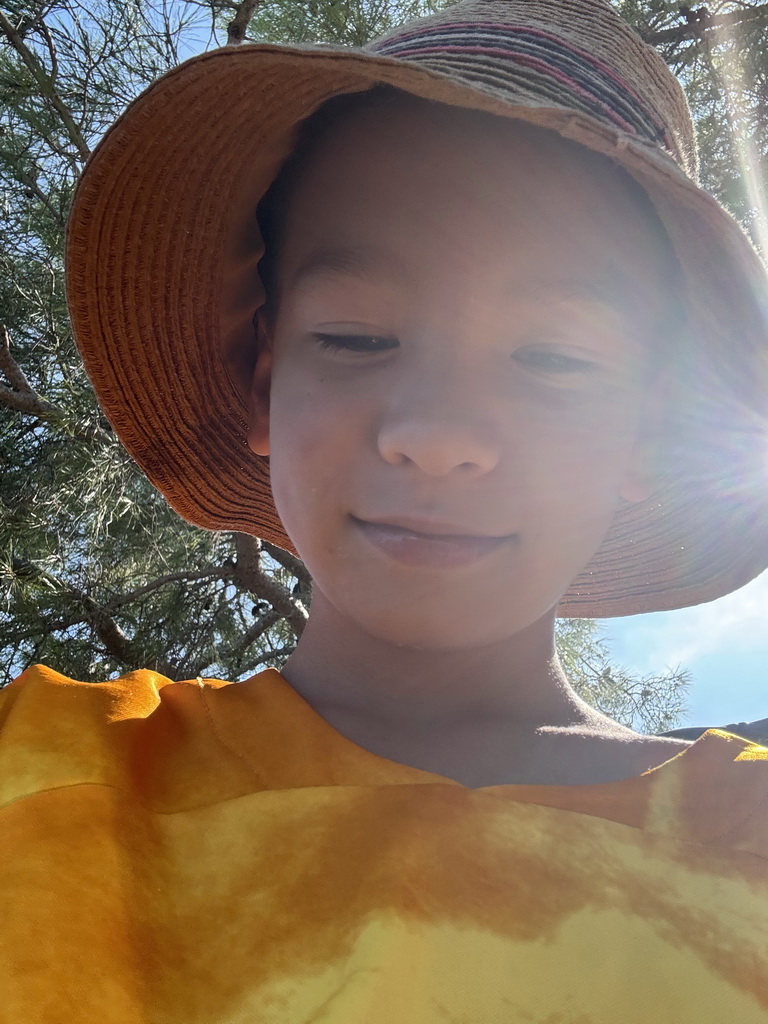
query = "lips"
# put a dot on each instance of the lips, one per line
(429, 543)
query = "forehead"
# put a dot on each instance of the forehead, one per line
(406, 185)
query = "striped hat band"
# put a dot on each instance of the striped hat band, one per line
(532, 60)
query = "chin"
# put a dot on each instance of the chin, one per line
(437, 630)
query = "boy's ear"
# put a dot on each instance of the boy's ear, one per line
(258, 428)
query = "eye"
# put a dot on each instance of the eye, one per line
(362, 343)
(545, 359)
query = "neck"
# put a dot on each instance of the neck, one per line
(441, 710)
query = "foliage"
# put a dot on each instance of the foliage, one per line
(97, 575)
(719, 52)
(649, 703)
(342, 22)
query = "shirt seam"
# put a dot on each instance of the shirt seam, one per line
(238, 755)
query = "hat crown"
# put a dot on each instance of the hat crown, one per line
(577, 55)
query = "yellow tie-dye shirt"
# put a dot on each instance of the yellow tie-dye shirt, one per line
(189, 853)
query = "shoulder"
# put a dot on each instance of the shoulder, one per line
(719, 786)
(756, 731)
(126, 697)
(56, 731)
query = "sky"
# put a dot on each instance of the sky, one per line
(724, 643)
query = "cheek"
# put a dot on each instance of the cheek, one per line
(591, 433)
(315, 441)
(574, 468)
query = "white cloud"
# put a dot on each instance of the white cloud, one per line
(738, 621)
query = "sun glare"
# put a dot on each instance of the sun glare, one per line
(731, 75)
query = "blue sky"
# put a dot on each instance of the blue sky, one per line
(723, 643)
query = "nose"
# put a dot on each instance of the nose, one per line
(441, 425)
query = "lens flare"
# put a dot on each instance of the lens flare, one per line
(730, 73)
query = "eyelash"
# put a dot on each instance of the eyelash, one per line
(542, 360)
(363, 343)
(549, 361)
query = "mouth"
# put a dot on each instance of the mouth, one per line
(429, 543)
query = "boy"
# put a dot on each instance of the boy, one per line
(502, 344)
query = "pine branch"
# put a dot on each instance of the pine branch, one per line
(23, 397)
(274, 652)
(250, 636)
(46, 85)
(221, 572)
(237, 28)
(116, 642)
(294, 565)
(10, 367)
(30, 183)
(705, 24)
(250, 575)
(29, 403)
(25, 568)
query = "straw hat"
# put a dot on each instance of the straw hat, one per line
(163, 249)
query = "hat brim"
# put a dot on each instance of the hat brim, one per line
(162, 285)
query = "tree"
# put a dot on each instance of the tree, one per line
(97, 574)
(649, 703)
(719, 53)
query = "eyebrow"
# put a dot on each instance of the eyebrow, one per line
(351, 261)
(605, 290)
(610, 291)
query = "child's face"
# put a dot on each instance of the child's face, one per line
(458, 370)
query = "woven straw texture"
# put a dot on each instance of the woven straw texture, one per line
(163, 252)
